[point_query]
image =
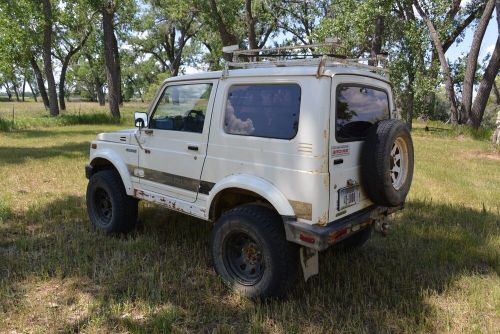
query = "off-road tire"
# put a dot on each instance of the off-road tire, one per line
(278, 257)
(109, 207)
(356, 240)
(378, 161)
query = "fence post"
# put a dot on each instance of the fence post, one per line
(13, 115)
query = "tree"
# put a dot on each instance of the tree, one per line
(112, 58)
(115, 14)
(224, 17)
(496, 134)
(47, 57)
(445, 68)
(170, 25)
(486, 84)
(408, 47)
(40, 81)
(470, 70)
(300, 18)
(73, 28)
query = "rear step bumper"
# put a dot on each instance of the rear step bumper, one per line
(321, 237)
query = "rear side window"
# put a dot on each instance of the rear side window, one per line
(358, 107)
(269, 111)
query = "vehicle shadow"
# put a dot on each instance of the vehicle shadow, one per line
(163, 269)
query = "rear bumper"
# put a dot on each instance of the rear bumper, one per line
(321, 237)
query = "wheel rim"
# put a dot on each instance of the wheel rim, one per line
(243, 258)
(103, 205)
(399, 163)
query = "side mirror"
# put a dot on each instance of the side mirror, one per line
(140, 119)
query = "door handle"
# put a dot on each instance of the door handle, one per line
(193, 148)
(338, 161)
(148, 132)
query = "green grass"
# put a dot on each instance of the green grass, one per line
(32, 115)
(437, 271)
(439, 129)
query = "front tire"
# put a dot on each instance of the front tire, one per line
(251, 254)
(109, 207)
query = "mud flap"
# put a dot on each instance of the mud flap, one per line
(309, 260)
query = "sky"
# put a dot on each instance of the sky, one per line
(488, 45)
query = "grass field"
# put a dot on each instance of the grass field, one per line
(437, 271)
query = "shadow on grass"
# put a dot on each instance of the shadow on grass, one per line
(164, 266)
(18, 155)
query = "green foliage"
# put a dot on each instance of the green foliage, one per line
(153, 88)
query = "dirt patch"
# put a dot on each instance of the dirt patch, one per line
(483, 155)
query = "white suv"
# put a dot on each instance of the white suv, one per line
(285, 161)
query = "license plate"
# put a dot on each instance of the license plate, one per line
(348, 197)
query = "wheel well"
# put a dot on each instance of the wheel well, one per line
(233, 197)
(99, 164)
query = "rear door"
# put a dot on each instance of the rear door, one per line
(357, 103)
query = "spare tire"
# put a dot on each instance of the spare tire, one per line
(387, 162)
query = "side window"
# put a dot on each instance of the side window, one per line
(358, 107)
(182, 108)
(269, 111)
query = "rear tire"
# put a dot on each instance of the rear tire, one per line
(387, 163)
(251, 254)
(109, 207)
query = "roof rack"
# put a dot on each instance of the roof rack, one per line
(284, 57)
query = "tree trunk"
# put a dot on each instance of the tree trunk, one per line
(448, 82)
(118, 66)
(497, 93)
(377, 40)
(252, 38)
(496, 135)
(7, 90)
(100, 93)
(16, 91)
(24, 88)
(62, 83)
(411, 99)
(111, 62)
(33, 91)
(47, 57)
(483, 93)
(39, 81)
(226, 36)
(470, 69)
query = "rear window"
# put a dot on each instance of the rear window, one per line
(358, 107)
(269, 111)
